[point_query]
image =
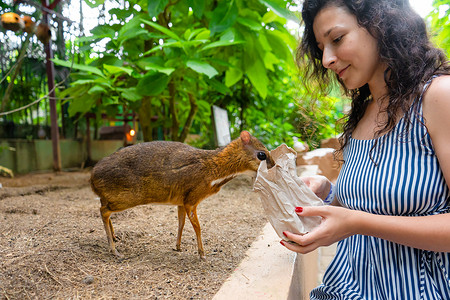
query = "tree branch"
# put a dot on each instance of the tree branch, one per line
(173, 110)
(17, 67)
(190, 118)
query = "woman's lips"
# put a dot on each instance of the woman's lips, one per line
(341, 72)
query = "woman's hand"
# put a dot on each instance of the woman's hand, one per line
(320, 185)
(337, 223)
(424, 232)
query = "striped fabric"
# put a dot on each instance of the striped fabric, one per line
(403, 178)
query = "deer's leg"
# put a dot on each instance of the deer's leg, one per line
(191, 212)
(114, 237)
(106, 213)
(181, 220)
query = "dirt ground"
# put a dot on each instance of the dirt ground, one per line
(53, 245)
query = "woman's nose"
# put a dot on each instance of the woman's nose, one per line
(328, 58)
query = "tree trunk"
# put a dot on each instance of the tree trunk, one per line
(173, 111)
(145, 119)
(190, 118)
(81, 18)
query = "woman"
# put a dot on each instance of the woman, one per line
(391, 213)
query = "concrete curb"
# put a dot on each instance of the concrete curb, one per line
(265, 273)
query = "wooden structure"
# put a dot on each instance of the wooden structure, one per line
(51, 88)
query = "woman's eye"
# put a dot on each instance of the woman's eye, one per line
(337, 40)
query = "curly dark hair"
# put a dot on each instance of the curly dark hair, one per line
(403, 44)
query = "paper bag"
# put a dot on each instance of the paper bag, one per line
(281, 191)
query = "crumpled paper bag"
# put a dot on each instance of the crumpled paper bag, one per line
(281, 191)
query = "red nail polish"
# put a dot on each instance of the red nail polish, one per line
(284, 233)
(281, 242)
(299, 209)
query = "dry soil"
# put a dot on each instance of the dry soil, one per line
(53, 245)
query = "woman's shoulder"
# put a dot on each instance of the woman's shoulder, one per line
(439, 91)
(436, 104)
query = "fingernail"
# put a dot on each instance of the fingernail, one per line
(299, 209)
(282, 243)
(284, 233)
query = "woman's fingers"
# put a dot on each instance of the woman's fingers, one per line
(319, 184)
(306, 180)
(337, 224)
(298, 248)
(311, 211)
(304, 239)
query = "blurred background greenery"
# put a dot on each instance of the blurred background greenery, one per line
(166, 62)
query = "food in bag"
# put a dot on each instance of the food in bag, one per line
(281, 191)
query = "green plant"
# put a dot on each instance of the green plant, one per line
(440, 24)
(173, 60)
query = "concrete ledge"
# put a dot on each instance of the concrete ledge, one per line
(265, 273)
(270, 271)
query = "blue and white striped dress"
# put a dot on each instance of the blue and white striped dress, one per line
(406, 181)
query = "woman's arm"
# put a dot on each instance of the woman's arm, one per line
(428, 232)
(436, 112)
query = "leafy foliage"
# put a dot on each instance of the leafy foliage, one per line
(175, 60)
(30, 83)
(170, 61)
(440, 24)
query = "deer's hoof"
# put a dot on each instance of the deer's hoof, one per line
(202, 257)
(118, 254)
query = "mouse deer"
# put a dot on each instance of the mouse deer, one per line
(172, 173)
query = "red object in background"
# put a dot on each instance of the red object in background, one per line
(125, 133)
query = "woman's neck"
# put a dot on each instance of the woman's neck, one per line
(378, 87)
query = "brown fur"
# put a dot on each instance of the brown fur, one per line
(172, 173)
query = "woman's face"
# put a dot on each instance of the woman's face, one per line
(348, 49)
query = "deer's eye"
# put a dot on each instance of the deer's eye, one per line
(261, 156)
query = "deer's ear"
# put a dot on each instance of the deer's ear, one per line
(245, 137)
